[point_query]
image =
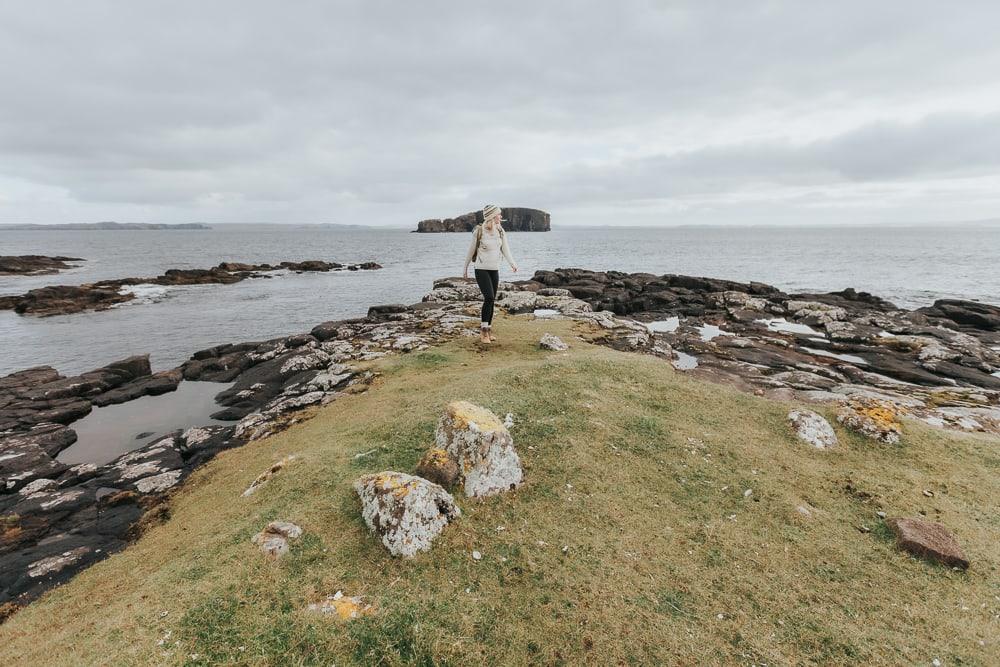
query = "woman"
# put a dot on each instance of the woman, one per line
(489, 241)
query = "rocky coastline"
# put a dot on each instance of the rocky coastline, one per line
(517, 220)
(35, 265)
(939, 364)
(66, 299)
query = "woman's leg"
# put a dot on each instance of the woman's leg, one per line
(495, 280)
(495, 283)
(489, 293)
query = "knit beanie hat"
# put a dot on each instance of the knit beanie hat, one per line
(491, 209)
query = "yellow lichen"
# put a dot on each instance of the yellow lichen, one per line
(463, 413)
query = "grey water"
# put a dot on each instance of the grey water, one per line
(108, 432)
(911, 266)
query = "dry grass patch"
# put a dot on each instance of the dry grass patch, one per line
(632, 541)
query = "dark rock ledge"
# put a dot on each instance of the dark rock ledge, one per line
(34, 265)
(64, 299)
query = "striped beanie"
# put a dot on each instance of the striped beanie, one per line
(491, 209)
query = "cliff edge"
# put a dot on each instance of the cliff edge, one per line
(518, 220)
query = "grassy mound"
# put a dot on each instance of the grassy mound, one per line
(634, 539)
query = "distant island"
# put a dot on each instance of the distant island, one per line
(105, 226)
(517, 220)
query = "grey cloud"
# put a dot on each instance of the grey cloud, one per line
(381, 111)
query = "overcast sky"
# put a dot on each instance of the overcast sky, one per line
(386, 113)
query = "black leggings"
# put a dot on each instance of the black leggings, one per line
(488, 281)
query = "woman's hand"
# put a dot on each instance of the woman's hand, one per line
(515, 269)
(465, 273)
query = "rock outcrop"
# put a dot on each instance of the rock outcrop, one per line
(928, 540)
(872, 418)
(35, 265)
(517, 220)
(941, 363)
(813, 429)
(481, 447)
(405, 512)
(65, 299)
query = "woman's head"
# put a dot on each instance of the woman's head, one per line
(491, 215)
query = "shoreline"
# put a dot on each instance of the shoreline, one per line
(59, 519)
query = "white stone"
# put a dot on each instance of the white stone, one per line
(552, 342)
(406, 512)
(158, 483)
(483, 448)
(38, 486)
(55, 563)
(813, 429)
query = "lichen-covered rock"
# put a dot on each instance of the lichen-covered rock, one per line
(813, 429)
(872, 418)
(439, 467)
(406, 512)
(342, 606)
(552, 342)
(928, 540)
(273, 540)
(481, 446)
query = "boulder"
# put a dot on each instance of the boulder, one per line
(405, 512)
(928, 540)
(813, 429)
(273, 540)
(872, 418)
(552, 342)
(439, 467)
(482, 448)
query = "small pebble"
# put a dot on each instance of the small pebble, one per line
(880, 514)
(720, 617)
(476, 555)
(748, 493)
(929, 494)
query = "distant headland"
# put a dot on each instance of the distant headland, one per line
(105, 226)
(517, 220)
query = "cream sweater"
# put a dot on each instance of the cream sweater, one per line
(491, 247)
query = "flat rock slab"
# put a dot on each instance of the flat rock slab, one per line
(928, 540)
(813, 429)
(406, 512)
(481, 446)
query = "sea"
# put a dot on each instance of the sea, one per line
(910, 266)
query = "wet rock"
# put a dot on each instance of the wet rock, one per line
(813, 429)
(105, 294)
(872, 418)
(273, 540)
(482, 448)
(153, 385)
(966, 313)
(439, 467)
(35, 265)
(928, 540)
(552, 342)
(405, 512)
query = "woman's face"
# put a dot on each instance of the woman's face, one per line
(493, 220)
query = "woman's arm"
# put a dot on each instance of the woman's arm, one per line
(506, 252)
(468, 255)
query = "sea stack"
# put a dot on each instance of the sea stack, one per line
(517, 220)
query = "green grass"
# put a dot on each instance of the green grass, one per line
(639, 472)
